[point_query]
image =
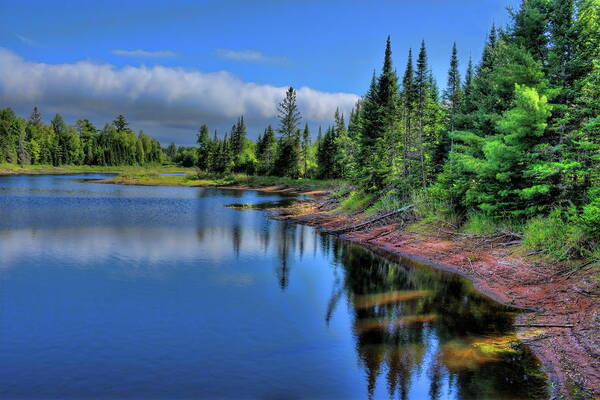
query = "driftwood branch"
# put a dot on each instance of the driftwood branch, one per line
(372, 221)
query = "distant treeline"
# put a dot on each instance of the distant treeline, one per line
(33, 142)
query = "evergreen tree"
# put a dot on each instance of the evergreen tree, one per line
(453, 92)
(288, 114)
(238, 137)
(422, 92)
(408, 97)
(387, 91)
(371, 120)
(60, 130)
(288, 158)
(379, 125)
(529, 28)
(266, 151)
(204, 148)
(120, 123)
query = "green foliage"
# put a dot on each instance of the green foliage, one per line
(288, 162)
(555, 236)
(266, 151)
(356, 201)
(32, 141)
(204, 148)
(589, 218)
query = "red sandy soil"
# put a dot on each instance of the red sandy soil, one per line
(564, 324)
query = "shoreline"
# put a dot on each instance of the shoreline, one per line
(562, 310)
(155, 176)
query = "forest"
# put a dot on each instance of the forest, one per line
(514, 144)
(33, 142)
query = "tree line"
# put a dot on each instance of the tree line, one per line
(33, 142)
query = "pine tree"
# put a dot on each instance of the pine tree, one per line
(266, 151)
(468, 84)
(388, 90)
(204, 148)
(238, 136)
(563, 45)
(120, 123)
(422, 92)
(529, 27)
(60, 131)
(453, 92)
(288, 159)
(380, 125)
(371, 119)
(288, 114)
(407, 98)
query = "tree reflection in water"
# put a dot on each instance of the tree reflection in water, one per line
(414, 326)
(411, 320)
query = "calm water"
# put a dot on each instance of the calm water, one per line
(132, 292)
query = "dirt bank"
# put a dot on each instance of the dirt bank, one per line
(564, 323)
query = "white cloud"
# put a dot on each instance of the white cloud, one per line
(25, 40)
(157, 96)
(144, 53)
(249, 55)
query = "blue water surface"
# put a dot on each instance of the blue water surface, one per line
(137, 292)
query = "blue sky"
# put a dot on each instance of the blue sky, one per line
(328, 47)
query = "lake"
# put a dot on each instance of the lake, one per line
(137, 292)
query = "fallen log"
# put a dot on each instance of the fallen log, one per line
(371, 221)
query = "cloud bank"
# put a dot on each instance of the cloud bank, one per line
(144, 53)
(163, 100)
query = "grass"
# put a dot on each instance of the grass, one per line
(152, 176)
(556, 237)
(301, 184)
(356, 201)
(9, 169)
(193, 178)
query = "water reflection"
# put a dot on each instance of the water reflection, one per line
(128, 291)
(410, 319)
